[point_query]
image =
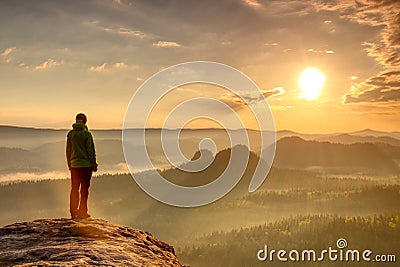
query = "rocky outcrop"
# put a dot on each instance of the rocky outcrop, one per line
(90, 242)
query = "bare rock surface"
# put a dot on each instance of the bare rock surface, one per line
(89, 242)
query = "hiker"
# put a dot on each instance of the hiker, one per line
(81, 159)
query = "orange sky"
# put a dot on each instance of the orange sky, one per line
(57, 59)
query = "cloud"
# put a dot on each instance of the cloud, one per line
(48, 64)
(274, 92)
(8, 51)
(99, 68)
(384, 87)
(271, 44)
(382, 13)
(385, 56)
(119, 30)
(120, 65)
(23, 65)
(237, 102)
(312, 50)
(233, 101)
(252, 3)
(106, 67)
(128, 32)
(6, 54)
(166, 44)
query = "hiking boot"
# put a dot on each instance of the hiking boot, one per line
(83, 216)
(74, 215)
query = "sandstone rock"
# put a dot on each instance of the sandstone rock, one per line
(89, 242)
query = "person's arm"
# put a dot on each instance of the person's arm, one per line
(91, 152)
(68, 152)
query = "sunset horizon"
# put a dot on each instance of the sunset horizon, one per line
(202, 128)
(322, 66)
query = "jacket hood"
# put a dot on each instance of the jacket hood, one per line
(78, 125)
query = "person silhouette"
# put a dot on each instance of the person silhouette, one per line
(81, 159)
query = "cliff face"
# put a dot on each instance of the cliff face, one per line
(90, 242)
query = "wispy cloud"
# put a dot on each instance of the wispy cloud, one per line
(237, 102)
(8, 51)
(44, 65)
(119, 30)
(252, 3)
(271, 44)
(274, 92)
(23, 65)
(166, 44)
(128, 32)
(105, 67)
(98, 68)
(384, 55)
(233, 101)
(384, 13)
(384, 87)
(120, 65)
(48, 64)
(6, 54)
(312, 50)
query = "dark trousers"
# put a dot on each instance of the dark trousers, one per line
(80, 179)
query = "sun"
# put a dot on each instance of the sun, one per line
(311, 82)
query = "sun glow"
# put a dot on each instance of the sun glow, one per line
(311, 82)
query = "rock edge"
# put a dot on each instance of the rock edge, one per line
(89, 242)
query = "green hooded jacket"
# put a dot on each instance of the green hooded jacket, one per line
(80, 147)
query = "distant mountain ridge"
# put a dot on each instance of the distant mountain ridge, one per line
(370, 132)
(8, 131)
(352, 139)
(30, 150)
(297, 153)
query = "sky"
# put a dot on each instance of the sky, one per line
(58, 58)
